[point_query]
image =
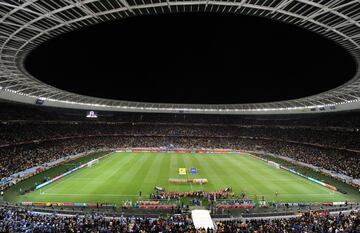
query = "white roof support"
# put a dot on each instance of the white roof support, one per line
(32, 22)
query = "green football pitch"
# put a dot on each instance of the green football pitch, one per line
(121, 176)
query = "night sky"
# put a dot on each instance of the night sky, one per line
(192, 58)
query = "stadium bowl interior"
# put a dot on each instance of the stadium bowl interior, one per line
(76, 159)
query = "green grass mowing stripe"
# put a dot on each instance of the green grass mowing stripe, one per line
(173, 173)
(352, 192)
(300, 189)
(185, 161)
(85, 172)
(192, 162)
(297, 189)
(118, 177)
(152, 174)
(309, 187)
(122, 175)
(204, 172)
(113, 166)
(244, 170)
(93, 188)
(159, 173)
(106, 185)
(242, 174)
(84, 186)
(163, 176)
(181, 164)
(257, 172)
(133, 178)
(56, 185)
(219, 172)
(146, 172)
(113, 179)
(263, 172)
(13, 195)
(59, 183)
(175, 165)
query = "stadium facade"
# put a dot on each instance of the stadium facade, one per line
(24, 25)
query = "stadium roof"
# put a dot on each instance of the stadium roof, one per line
(25, 24)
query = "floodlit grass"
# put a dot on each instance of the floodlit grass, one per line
(121, 176)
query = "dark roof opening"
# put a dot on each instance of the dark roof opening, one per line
(201, 58)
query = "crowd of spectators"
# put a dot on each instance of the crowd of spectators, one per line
(35, 140)
(24, 132)
(30, 137)
(308, 222)
(343, 162)
(22, 220)
(20, 157)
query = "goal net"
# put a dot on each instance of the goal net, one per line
(274, 164)
(92, 162)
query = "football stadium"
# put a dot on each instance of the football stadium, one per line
(180, 116)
